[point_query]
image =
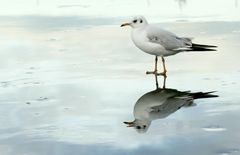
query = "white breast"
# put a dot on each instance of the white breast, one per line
(139, 37)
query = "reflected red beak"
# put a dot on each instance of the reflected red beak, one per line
(125, 24)
(129, 124)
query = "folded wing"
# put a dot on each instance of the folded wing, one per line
(172, 42)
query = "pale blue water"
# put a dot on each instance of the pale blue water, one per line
(67, 85)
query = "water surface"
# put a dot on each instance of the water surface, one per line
(67, 87)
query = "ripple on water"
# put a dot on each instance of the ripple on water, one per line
(42, 99)
(213, 128)
(228, 151)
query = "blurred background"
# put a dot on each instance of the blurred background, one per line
(158, 10)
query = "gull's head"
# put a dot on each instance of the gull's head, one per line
(141, 126)
(137, 21)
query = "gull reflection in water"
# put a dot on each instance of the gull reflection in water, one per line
(160, 103)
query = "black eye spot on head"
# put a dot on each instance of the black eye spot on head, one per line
(144, 126)
(138, 127)
(141, 21)
(134, 21)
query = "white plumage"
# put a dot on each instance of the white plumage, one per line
(156, 41)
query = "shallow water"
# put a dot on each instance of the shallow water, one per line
(67, 87)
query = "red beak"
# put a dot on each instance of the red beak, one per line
(125, 24)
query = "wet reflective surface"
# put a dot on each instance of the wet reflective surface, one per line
(160, 103)
(67, 85)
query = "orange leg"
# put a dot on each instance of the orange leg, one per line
(155, 69)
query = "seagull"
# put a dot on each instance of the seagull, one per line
(161, 103)
(160, 43)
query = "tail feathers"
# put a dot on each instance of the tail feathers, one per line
(199, 95)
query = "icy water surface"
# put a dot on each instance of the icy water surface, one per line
(68, 90)
(68, 83)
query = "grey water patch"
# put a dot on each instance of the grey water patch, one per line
(19, 82)
(28, 102)
(28, 72)
(33, 68)
(4, 84)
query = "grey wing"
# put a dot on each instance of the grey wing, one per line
(167, 39)
(171, 105)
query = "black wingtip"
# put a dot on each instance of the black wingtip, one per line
(199, 95)
(201, 49)
(203, 46)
